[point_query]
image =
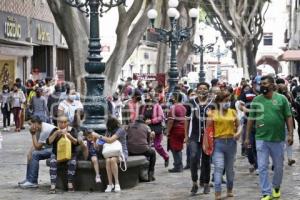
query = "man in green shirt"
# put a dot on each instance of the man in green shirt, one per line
(271, 112)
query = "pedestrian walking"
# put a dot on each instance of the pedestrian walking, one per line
(38, 105)
(5, 107)
(227, 131)
(175, 131)
(17, 99)
(197, 110)
(271, 112)
(153, 117)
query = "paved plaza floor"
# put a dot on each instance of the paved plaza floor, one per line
(166, 187)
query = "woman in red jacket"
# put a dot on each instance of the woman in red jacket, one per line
(175, 131)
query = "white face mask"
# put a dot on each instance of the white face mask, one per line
(5, 91)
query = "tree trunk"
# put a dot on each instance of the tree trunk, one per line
(74, 26)
(123, 48)
(251, 60)
(241, 55)
(162, 50)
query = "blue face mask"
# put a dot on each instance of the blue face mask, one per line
(226, 105)
(72, 97)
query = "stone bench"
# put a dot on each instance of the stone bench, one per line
(85, 174)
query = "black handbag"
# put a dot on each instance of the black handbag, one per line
(157, 128)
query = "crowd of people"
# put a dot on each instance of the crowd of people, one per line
(261, 113)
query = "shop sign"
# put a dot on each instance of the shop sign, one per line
(12, 29)
(42, 34)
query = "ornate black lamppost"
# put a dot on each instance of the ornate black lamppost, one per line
(208, 48)
(173, 37)
(220, 54)
(95, 104)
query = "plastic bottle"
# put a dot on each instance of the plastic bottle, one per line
(100, 142)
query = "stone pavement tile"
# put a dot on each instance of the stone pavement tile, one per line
(166, 187)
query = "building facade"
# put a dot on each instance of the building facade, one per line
(31, 46)
(274, 40)
(292, 36)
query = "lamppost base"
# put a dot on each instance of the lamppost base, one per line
(95, 105)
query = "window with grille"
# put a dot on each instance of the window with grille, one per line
(268, 39)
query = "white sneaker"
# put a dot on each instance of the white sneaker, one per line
(98, 179)
(27, 184)
(109, 188)
(257, 172)
(22, 182)
(117, 188)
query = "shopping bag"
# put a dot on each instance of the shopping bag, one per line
(208, 140)
(64, 149)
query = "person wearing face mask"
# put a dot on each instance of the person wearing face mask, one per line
(282, 89)
(5, 107)
(38, 105)
(130, 111)
(64, 130)
(153, 117)
(245, 100)
(196, 116)
(175, 131)
(68, 106)
(227, 131)
(271, 113)
(16, 101)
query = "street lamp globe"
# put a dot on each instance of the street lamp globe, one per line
(228, 43)
(193, 13)
(172, 12)
(173, 3)
(177, 14)
(152, 14)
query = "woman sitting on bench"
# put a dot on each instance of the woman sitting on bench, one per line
(71, 134)
(114, 132)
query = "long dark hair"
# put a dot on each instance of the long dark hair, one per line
(112, 125)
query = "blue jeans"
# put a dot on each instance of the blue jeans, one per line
(264, 151)
(223, 158)
(251, 152)
(177, 156)
(32, 172)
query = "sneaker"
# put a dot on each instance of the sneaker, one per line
(27, 184)
(166, 162)
(256, 172)
(194, 189)
(98, 179)
(206, 189)
(186, 167)
(109, 188)
(175, 170)
(291, 162)
(22, 182)
(276, 193)
(117, 188)
(266, 197)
